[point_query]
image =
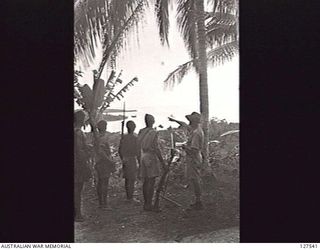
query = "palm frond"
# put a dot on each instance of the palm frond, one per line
(223, 53)
(113, 48)
(179, 73)
(89, 17)
(221, 18)
(215, 57)
(162, 12)
(219, 34)
(222, 25)
(186, 18)
(225, 6)
(76, 75)
(100, 20)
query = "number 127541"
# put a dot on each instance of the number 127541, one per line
(308, 245)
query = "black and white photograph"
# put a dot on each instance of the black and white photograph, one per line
(156, 121)
(123, 121)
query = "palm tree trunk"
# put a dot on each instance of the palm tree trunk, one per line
(203, 74)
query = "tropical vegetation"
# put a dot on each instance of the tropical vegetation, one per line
(209, 30)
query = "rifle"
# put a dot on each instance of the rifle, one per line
(164, 176)
(123, 119)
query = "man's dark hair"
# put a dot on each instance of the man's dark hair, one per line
(131, 126)
(149, 120)
(79, 117)
(102, 125)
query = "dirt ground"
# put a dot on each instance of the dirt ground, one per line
(218, 222)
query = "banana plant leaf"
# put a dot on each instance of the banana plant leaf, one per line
(99, 91)
(87, 96)
(86, 118)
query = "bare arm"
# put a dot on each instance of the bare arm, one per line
(181, 123)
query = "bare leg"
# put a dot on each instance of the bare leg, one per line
(126, 184)
(104, 191)
(99, 192)
(151, 190)
(77, 200)
(130, 183)
(145, 191)
(197, 189)
(148, 186)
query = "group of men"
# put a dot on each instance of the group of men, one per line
(141, 158)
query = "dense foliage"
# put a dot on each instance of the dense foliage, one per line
(223, 151)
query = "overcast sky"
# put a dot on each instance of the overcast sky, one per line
(151, 63)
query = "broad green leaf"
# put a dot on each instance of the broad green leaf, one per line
(87, 96)
(99, 91)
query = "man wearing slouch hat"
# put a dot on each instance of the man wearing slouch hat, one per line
(193, 149)
(194, 157)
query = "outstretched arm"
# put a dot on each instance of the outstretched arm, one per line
(181, 123)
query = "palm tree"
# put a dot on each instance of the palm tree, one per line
(203, 73)
(216, 30)
(209, 36)
(108, 22)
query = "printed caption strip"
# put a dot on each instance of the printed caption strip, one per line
(160, 246)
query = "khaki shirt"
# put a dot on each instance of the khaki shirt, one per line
(148, 144)
(195, 141)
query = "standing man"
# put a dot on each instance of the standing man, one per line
(186, 127)
(81, 168)
(128, 152)
(194, 157)
(104, 164)
(150, 160)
